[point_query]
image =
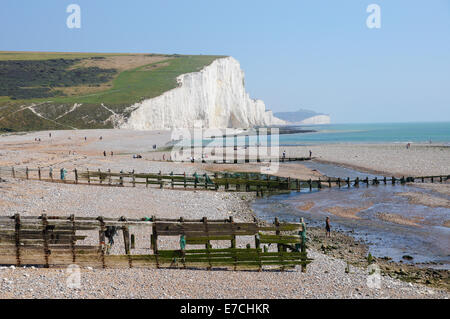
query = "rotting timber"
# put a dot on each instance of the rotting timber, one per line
(230, 182)
(57, 241)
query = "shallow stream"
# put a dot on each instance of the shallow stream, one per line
(377, 215)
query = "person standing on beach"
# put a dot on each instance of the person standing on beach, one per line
(327, 227)
(310, 154)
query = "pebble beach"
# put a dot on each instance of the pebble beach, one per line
(326, 276)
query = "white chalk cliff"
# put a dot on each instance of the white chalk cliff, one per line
(318, 119)
(216, 95)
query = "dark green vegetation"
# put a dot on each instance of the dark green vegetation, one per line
(35, 78)
(47, 91)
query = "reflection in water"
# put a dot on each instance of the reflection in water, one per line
(387, 222)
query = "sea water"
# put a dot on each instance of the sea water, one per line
(428, 241)
(438, 132)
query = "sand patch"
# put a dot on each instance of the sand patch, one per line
(438, 187)
(306, 206)
(446, 223)
(425, 199)
(398, 219)
(347, 212)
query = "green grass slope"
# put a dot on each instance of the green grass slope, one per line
(82, 110)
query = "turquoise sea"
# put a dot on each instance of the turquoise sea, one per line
(438, 132)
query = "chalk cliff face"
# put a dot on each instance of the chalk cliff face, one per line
(216, 95)
(318, 119)
(303, 116)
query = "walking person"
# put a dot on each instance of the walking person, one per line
(328, 227)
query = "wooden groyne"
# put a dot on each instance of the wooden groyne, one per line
(230, 182)
(237, 160)
(57, 241)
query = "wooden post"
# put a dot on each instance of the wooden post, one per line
(76, 175)
(17, 237)
(277, 232)
(126, 241)
(208, 243)
(339, 182)
(73, 239)
(109, 176)
(298, 184)
(384, 180)
(184, 178)
(393, 180)
(26, 172)
(101, 240)
(319, 184)
(310, 184)
(133, 241)
(329, 182)
(160, 180)
(233, 245)
(258, 247)
(39, 173)
(303, 251)
(348, 182)
(134, 178)
(45, 238)
(172, 183)
(357, 182)
(13, 172)
(88, 176)
(50, 173)
(155, 241)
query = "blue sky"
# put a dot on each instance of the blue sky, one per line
(318, 55)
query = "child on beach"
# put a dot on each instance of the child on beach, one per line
(327, 227)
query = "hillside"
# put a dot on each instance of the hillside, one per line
(43, 91)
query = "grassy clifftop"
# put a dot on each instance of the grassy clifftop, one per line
(40, 91)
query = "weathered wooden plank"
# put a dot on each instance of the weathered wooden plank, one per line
(281, 227)
(171, 229)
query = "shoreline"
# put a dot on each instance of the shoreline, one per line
(325, 276)
(343, 246)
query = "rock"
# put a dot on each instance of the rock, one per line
(407, 257)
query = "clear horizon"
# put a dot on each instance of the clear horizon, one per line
(318, 56)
